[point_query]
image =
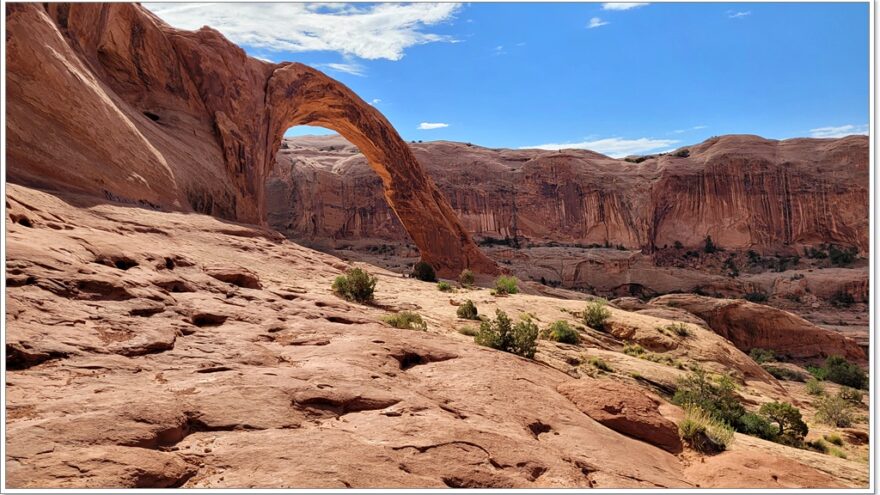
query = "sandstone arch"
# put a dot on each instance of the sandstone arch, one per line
(176, 119)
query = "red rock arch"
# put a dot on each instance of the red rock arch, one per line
(300, 95)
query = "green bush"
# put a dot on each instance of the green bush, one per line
(837, 453)
(792, 428)
(716, 397)
(818, 445)
(756, 297)
(561, 331)
(684, 153)
(679, 329)
(835, 411)
(781, 373)
(503, 335)
(761, 356)
(757, 426)
(406, 320)
(467, 310)
(506, 285)
(596, 314)
(599, 364)
(841, 371)
(424, 272)
(444, 286)
(815, 387)
(704, 432)
(633, 349)
(851, 395)
(842, 257)
(835, 439)
(355, 285)
(469, 331)
(466, 278)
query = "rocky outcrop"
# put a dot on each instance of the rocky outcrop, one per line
(745, 192)
(142, 113)
(623, 408)
(749, 325)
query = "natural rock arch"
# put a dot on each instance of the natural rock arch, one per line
(300, 95)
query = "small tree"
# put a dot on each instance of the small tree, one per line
(467, 310)
(503, 335)
(596, 314)
(835, 411)
(792, 428)
(466, 278)
(424, 271)
(355, 285)
(839, 370)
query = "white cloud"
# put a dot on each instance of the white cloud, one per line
(379, 31)
(613, 147)
(426, 126)
(375, 101)
(839, 131)
(694, 128)
(499, 50)
(622, 6)
(596, 22)
(738, 15)
(348, 68)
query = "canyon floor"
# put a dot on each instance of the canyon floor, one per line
(158, 349)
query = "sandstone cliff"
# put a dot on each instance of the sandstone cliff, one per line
(108, 100)
(745, 192)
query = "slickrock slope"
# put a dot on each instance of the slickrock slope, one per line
(745, 191)
(143, 113)
(156, 349)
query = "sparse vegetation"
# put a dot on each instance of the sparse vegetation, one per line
(632, 349)
(596, 314)
(838, 370)
(815, 387)
(678, 245)
(683, 153)
(851, 395)
(469, 331)
(500, 333)
(781, 373)
(506, 285)
(716, 397)
(467, 310)
(679, 329)
(834, 438)
(837, 453)
(842, 299)
(406, 320)
(356, 285)
(444, 286)
(466, 278)
(424, 271)
(756, 297)
(818, 445)
(792, 428)
(561, 331)
(756, 426)
(835, 411)
(709, 247)
(600, 364)
(704, 432)
(842, 257)
(762, 356)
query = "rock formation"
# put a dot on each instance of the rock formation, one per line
(745, 192)
(137, 111)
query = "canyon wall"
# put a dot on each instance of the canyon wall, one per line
(745, 192)
(109, 101)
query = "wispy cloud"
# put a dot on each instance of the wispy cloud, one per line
(377, 31)
(375, 101)
(596, 22)
(738, 15)
(426, 126)
(689, 129)
(622, 5)
(614, 147)
(499, 50)
(354, 69)
(839, 131)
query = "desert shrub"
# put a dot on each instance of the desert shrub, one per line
(757, 426)
(683, 153)
(709, 246)
(678, 245)
(842, 299)
(704, 432)
(851, 395)
(355, 285)
(561, 331)
(756, 297)
(818, 445)
(818, 372)
(781, 373)
(444, 286)
(815, 387)
(762, 356)
(506, 285)
(633, 349)
(835, 439)
(679, 329)
(466, 278)
(600, 364)
(467, 310)
(406, 320)
(842, 257)
(837, 453)
(716, 397)
(596, 314)
(469, 331)
(500, 333)
(835, 411)
(424, 271)
(792, 428)
(841, 371)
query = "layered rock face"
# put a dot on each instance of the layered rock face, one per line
(107, 100)
(745, 192)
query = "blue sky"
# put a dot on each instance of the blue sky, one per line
(616, 78)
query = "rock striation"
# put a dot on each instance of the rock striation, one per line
(140, 112)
